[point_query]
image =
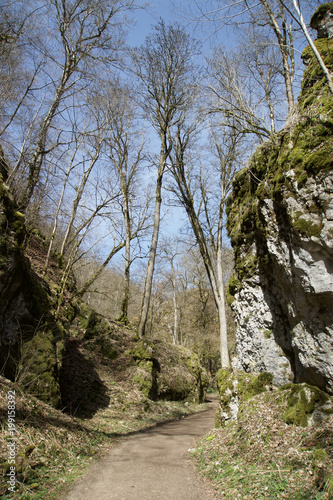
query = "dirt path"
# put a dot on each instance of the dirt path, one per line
(152, 465)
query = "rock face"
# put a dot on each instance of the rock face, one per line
(322, 20)
(280, 220)
(30, 341)
(300, 404)
(167, 372)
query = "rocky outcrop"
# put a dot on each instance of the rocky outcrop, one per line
(31, 342)
(322, 20)
(280, 219)
(300, 404)
(168, 372)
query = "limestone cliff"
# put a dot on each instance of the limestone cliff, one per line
(280, 220)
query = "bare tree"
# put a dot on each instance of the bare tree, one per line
(84, 35)
(233, 96)
(170, 252)
(323, 11)
(271, 17)
(163, 66)
(124, 149)
(195, 188)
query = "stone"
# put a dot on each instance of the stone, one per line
(281, 229)
(322, 20)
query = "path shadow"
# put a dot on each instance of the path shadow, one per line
(82, 391)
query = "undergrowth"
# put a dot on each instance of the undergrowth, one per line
(260, 456)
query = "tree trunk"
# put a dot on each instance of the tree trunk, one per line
(153, 247)
(175, 307)
(125, 299)
(35, 163)
(283, 45)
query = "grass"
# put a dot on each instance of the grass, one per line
(259, 456)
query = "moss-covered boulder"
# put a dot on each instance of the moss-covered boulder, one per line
(304, 404)
(236, 387)
(164, 371)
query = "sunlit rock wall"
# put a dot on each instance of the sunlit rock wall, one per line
(280, 219)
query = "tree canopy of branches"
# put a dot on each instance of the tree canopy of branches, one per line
(164, 67)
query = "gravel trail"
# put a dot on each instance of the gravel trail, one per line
(152, 465)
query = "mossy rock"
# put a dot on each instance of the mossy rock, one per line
(39, 366)
(304, 404)
(322, 466)
(107, 348)
(93, 323)
(307, 227)
(168, 372)
(181, 376)
(144, 377)
(236, 387)
(142, 350)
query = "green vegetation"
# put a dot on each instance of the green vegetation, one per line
(302, 400)
(303, 147)
(266, 452)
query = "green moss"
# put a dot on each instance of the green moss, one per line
(238, 386)
(313, 73)
(230, 298)
(321, 464)
(93, 323)
(142, 351)
(302, 179)
(38, 368)
(306, 147)
(301, 401)
(144, 377)
(107, 348)
(307, 228)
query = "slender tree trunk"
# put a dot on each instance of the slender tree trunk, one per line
(326, 72)
(125, 299)
(220, 286)
(79, 194)
(283, 45)
(175, 307)
(153, 247)
(55, 224)
(214, 273)
(94, 277)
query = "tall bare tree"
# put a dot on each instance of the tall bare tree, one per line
(125, 143)
(272, 18)
(84, 34)
(170, 252)
(196, 189)
(163, 65)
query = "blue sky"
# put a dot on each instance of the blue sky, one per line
(147, 18)
(173, 11)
